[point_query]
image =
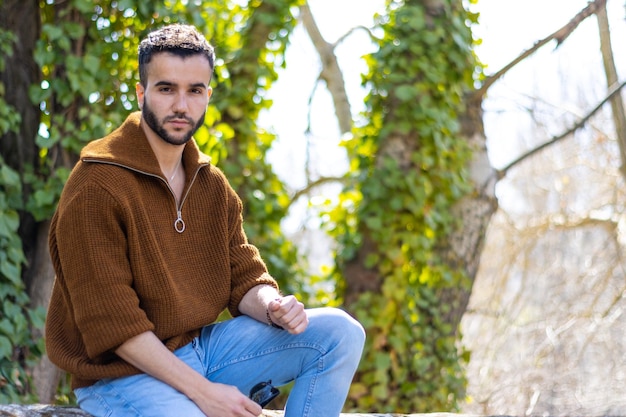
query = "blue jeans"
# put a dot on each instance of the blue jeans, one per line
(243, 352)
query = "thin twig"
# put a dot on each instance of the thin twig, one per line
(560, 36)
(614, 90)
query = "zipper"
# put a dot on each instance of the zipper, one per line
(179, 223)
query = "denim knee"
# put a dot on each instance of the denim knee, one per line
(339, 329)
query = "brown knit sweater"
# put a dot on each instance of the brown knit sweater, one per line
(122, 268)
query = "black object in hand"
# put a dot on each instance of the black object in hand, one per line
(263, 392)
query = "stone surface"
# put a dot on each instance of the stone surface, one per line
(40, 410)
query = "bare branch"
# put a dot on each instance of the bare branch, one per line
(314, 184)
(617, 104)
(310, 105)
(612, 92)
(354, 29)
(560, 36)
(331, 73)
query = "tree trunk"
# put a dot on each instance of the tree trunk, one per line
(331, 73)
(465, 244)
(20, 151)
(46, 375)
(617, 104)
(21, 71)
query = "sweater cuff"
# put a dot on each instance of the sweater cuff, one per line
(239, 292)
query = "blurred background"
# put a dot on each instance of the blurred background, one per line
(450, 172)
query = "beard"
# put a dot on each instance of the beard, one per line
(157, 125)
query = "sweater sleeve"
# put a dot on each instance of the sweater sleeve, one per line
(247, 267)
(92, 252)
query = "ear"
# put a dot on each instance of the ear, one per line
(209, 92)
(140, 92)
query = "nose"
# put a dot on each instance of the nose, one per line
(180, 104)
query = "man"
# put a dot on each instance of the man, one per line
(148, 248)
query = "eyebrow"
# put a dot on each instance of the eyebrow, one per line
(169, 83)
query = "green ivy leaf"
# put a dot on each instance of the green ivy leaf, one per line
(9, 177)
(406, 93)
(6, 348)
(53, 32)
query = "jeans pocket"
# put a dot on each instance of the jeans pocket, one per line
(90, 400)
(193, 357)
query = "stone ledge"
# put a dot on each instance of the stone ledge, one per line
(43, 410)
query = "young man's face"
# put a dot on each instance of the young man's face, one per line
(176, 96)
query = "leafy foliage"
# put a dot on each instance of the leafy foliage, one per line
(16, 347)
(250, 54)
(9, 118)
(87, 56)
(409, 166)
(103, 71)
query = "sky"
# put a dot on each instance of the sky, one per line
(291, 94)
(564, 77)
(507, 28)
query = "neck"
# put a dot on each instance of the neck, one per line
(171, 177)
(169, 156)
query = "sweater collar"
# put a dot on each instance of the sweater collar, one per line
(128, 146)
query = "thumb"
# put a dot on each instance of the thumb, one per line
(274, 305)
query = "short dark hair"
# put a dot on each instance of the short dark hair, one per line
(177, 39)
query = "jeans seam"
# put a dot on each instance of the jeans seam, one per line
(244, 358)
(298, 345)
(115, 393)
(99, 398)
(200, 353)
(309, 397)
(127, 405)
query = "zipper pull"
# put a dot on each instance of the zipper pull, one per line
(179, 224)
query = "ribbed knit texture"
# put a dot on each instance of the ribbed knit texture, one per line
(121, 267)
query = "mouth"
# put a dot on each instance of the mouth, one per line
(178, 122)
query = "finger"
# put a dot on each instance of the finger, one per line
(289, 312)
(275, 305)
(254, 408)
(298, 324)
(300, 328)
(288, 302)
(291, 304)
(280, 306)
(246, 407)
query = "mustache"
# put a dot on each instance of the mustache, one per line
(178, 117)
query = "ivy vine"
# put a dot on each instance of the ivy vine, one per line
(17, 350)
(87, 56)
(409, 166)
(424, 64)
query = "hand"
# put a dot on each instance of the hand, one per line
(146, 352)
(288, 313)
(219, 400)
